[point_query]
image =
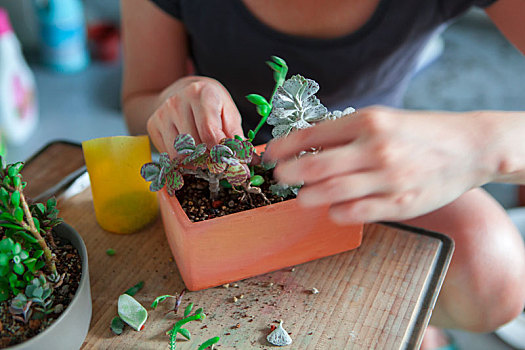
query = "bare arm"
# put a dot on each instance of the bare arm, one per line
(155, 55)
(158, 94)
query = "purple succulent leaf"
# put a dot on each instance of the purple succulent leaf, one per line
(232, 161)
(174, 182)
(237, 175)
(184, 143)
(233, 144)
(199, 151)
(164, 160)
(245, 153)
(150, 171)
(218, 152)
(215, 168)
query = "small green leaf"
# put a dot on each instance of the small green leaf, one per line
(188, 309)
(17, 181)
(15, 198)
(18, 214)
(37, 223)
(30, 263)
(257, 100)
(199, 311)
(132, 312)
(4, 195)
(9, 225)
(237, 137)
(39, 265)
(7, 245)
(24, 255)
(110, 251)
(225, 184)
(257, 180)
(4, 270)
(251, 135)
(185, 333)
(133, 290)
(51, 203)
(117, 325)
(18, 268)
(7, 216)
(209, 343)
(4, 259)
(264, 110)
(17, 248)
(41, 208)
(159, 300)
(28, 238)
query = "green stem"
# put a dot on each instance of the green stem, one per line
(265, 117)
(50, 261)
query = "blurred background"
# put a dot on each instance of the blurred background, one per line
(469, 66)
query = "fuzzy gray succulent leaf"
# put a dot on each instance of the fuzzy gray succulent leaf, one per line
(338, 114)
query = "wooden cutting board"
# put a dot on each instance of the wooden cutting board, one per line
(377, 296)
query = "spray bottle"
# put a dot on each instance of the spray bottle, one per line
(62, 35)
(18, 105)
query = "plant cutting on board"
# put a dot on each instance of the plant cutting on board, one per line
(29, 273)
(233, 162)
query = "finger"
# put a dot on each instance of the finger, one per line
(323, 165)
(390, 207)
(325, 134)
(162, 131)
(231, 120)
(208, 122)
(185, 123)
(342, 189)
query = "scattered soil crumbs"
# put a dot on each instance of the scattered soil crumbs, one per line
(69, 267)
(194, 198)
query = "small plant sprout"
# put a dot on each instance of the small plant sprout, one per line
(132, 312)
(188, 317)
(117, 324)
(263, 107)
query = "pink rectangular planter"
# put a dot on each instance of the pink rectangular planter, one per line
(245, 244)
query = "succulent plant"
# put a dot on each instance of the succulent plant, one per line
(292, 106)
(25, 231)
(227, 160)
(38, 295)
(295, 107)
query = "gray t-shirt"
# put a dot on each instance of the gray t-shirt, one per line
(369, 66)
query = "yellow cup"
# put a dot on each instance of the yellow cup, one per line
(121, 197)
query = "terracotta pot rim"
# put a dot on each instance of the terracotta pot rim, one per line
(175, 201)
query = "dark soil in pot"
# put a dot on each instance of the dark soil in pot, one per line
(194, 197)
(69, 266)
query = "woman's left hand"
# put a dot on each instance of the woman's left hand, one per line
(385, 164)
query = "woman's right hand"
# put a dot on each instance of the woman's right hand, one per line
(194, 105)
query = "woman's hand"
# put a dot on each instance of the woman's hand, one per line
(194, 105)
(385, 164)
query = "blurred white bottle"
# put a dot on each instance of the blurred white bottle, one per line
(18, 104)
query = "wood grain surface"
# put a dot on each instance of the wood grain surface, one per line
(379, 296)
